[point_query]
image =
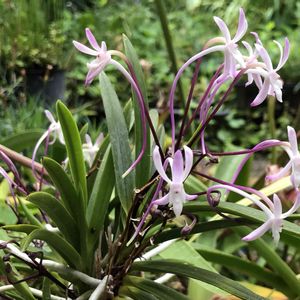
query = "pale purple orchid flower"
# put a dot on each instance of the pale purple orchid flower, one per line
(90, 150)
(54, 129)
(291, 149)
(103, 57)
(231, 52)
(180, 171)
(274, 221)
(272, 84)
(273, 212)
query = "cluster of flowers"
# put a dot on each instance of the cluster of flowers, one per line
(258, 67)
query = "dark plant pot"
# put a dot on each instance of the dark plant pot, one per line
(48, 84)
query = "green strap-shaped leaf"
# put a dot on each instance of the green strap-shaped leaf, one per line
(142, 170)
(243, 266)
(19, 142)
(243, 211)
(59, 244)
(26, 228)
(65, 187)
(101, 193)
(121, 151)
(57, 212)
(136, 294)
(74, 149)
(29, 215)
(187, 270)
(274, 260)
(158, 290)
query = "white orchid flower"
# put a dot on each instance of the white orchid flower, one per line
(90, 150)
(177, 195)
(272, 84)
(291, 149)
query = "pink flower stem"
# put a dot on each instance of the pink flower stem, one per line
(142, 111)
(152, 129)
(174, 85)
(188, 102)
(203, 98)
(216, 109)
(243, 188)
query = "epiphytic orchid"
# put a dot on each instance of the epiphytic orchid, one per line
(231, 52)
(272, 84)
(90, 150)
(177, 195)
(292, 150)
(103, 57)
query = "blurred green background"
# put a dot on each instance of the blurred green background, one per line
(38, 62)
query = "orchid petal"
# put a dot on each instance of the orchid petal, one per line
(161, 201)
(283, 172)
(248, 48)
(293, 140)
(99, 139)
(223, 28)
(49, 116)
(84, 49)
(263, 93)
(284, 53)
(158, 165)
(294, 208)
(265, 56)
(277, 207)
(188, 156)
(258, 232)
(257, 39)
(92, 39)
(177, 167)
(242, 27)
(92, 73)
(190, 197)
(88, 140)
(103, 46)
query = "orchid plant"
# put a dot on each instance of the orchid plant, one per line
(111, 206)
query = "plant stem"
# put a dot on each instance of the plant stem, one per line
(272, 125)
(23, 160)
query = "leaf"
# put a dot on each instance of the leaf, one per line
(194, 185)
(26, 228)
(135, 293)
(74, 149)
(119, 142)
(183, 251)
(46, 289)
(187, 270)
(59, 244)
(101, 193)
(243, 211)
(243, 266)
(142, 170)
(19, 142)
(29, 214)
(60, 216)
(274, 260)
(65, 187)
(158, 290)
